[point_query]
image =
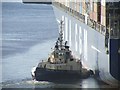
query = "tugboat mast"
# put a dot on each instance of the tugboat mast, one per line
(61, 34)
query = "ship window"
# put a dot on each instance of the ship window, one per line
(60, 59)
(67, 55)
(71, 59)
(60, 54)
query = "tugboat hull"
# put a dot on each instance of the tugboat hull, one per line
(43, 74)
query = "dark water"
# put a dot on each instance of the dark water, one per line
(28, 33)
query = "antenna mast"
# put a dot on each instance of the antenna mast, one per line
(61, 33)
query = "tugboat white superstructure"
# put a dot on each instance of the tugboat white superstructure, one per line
(60, 65)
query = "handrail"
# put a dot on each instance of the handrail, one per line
(93, 24)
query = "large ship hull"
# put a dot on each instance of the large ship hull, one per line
(89, 45)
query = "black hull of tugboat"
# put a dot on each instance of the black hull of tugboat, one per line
(43, 74)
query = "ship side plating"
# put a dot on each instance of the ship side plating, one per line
(93, 37)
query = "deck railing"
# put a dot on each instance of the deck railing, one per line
(93, 24)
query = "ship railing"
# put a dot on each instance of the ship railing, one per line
(93, 24)
(71, 11)
(97, 27)
(100, 28)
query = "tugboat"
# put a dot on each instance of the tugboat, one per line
(60, 65)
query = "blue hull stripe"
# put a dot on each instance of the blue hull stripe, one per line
(115, 58)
